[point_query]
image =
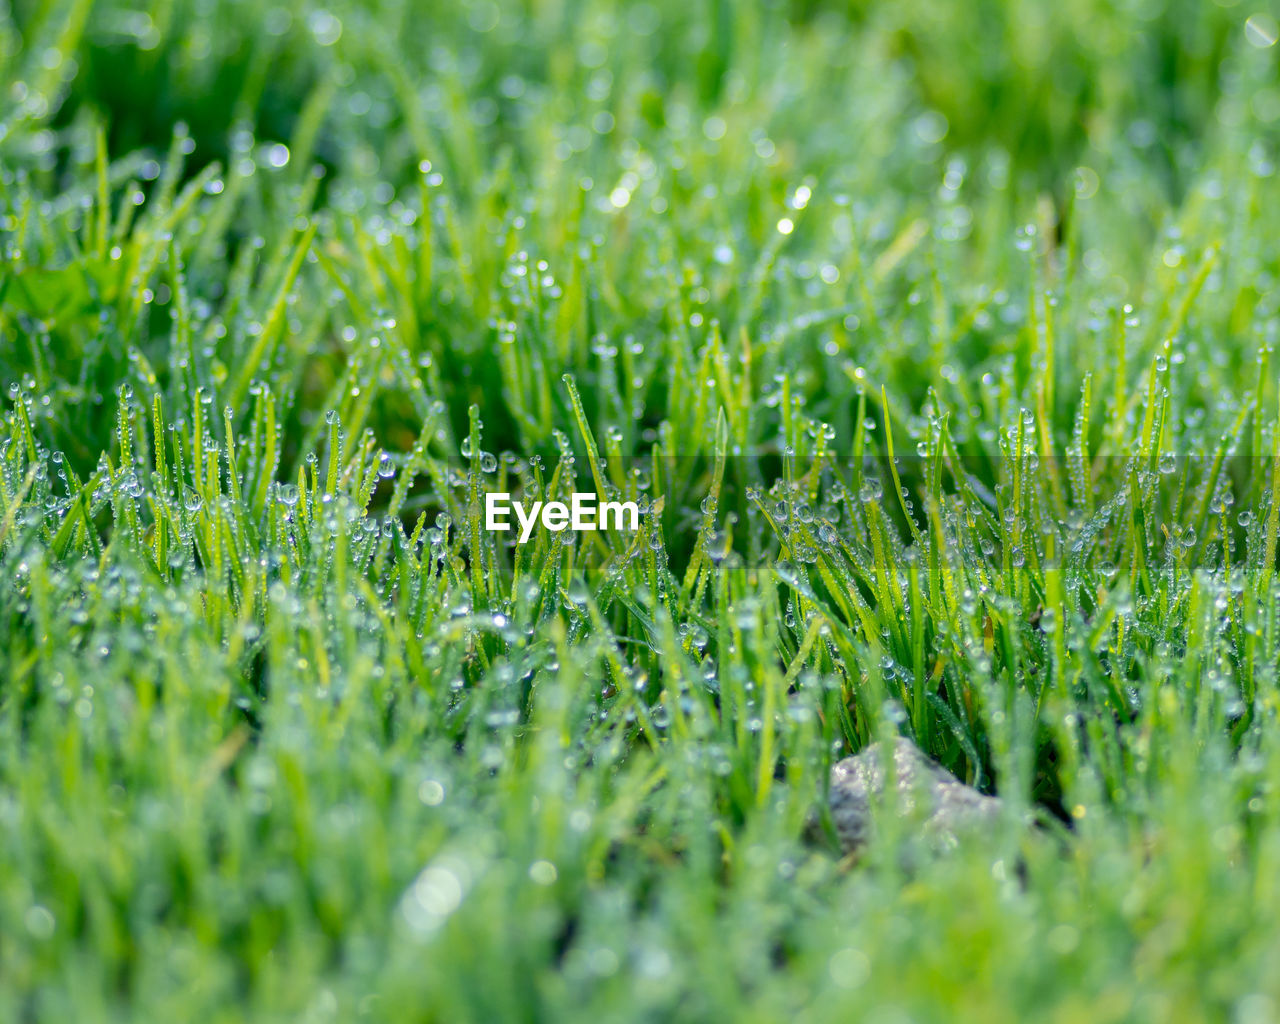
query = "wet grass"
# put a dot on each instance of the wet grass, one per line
(939, 359)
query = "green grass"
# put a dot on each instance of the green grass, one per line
(937, 342)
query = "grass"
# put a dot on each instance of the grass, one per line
(939, 356)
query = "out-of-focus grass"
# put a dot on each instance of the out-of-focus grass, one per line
(936, 343)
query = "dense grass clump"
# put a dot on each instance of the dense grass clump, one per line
(939, 358)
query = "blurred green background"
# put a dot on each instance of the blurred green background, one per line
(1050, 85)
(527, 127)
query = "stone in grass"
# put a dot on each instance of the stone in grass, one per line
(926, 792)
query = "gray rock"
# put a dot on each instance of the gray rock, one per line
(942, 805)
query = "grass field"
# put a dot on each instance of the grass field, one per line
(936, 342)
